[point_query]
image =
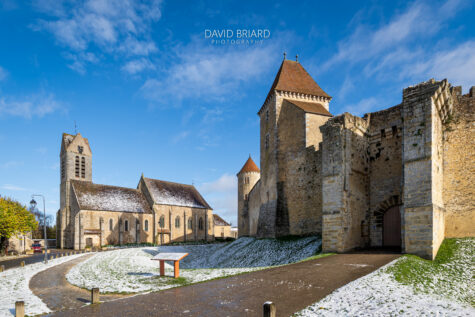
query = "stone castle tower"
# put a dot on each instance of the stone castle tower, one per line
(75, 164)
(248, 176)
(287, 198)
(399, 178)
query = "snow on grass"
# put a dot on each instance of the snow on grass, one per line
(409, 286)
(14, 286)
(133, 271)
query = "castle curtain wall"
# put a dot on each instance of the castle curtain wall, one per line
(385, 168)
(253, 207)
(345, 183)
(459, 167)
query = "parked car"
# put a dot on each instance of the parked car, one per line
(36, 247)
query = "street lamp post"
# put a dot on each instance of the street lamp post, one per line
(33, 205)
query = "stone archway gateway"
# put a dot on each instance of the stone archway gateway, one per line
(392, 227)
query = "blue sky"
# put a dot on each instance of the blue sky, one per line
(154, 95)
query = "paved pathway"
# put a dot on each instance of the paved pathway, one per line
(292, 287)
(55, 291)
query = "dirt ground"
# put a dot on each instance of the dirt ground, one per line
(291, 287)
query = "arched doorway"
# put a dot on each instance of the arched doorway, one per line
(392, 228)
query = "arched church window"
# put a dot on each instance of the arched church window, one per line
(177, 222)
(111, 224)
(126, 225)
(267, 141)
(161, 222)
(267, 115)
(200, 224)
(146, 225)
(83, 167)
(190, 223)
(77, 166)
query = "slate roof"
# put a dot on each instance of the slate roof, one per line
(109, 198)
(292, 77)
(218, 221)
(249, 166)
(175, 194)
(311, 107)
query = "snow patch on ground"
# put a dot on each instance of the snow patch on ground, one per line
(446, 290)
(133, 271)
(14, 286)
(378, 294)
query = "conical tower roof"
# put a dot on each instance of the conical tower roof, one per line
(292, 77)
(249, 166)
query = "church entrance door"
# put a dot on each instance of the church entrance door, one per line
(392, 227)
(88, 242)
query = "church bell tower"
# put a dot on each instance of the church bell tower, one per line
(75, 164)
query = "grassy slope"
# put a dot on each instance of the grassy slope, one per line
(450, 275)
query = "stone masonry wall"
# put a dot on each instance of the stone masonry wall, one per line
(422, 218)
(253, 207)
(385, 167)
(459, 167)
(268, 166)
(332, 185)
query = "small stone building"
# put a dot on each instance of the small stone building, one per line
(92, 215)
(398, 178)
(222, 229)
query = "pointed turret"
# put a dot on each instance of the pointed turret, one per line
(248, 176)
(249, 166)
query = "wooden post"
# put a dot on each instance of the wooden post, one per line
(94, 296)
(2, 268)
(176, 270)
(269, 309)
(22, 263)
(20, 309)
(162, 268)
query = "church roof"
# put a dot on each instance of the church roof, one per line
(175, 194)
(109, 198)
(292, 77)
(249, 166)
(311, 107)
(218, 221)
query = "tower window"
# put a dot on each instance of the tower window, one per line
(383, 133)
(76, 166)
(146, 225)
(267, 141)
(126, 225)
(111, 224)
(80, 149)
(83, 167)
(190, 224)
(394, 130)
(267, 115)
(200, 224)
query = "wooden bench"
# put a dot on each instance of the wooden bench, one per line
(175, 257)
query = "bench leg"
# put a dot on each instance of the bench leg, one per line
(162, 268)
(176, 271)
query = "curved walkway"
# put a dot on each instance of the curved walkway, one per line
(55, 291)
(292, 288)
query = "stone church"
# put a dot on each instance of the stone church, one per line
(93, 215)
(398, 178)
